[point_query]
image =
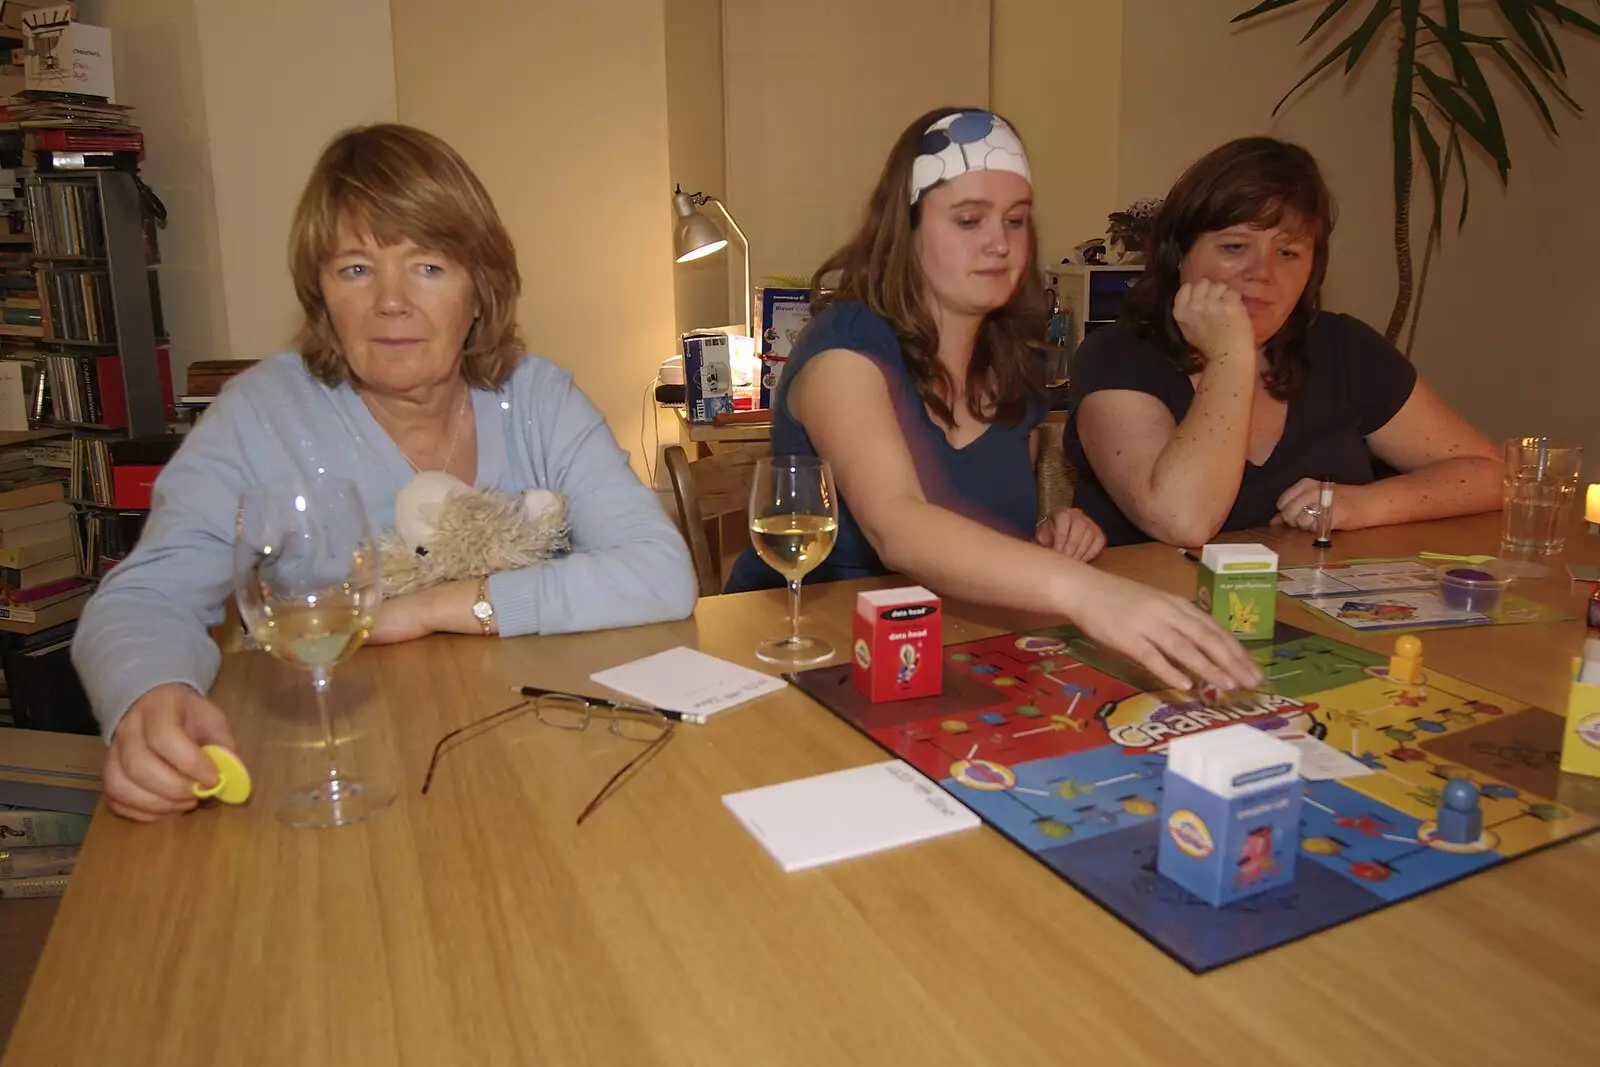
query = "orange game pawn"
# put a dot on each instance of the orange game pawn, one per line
(1405, 666)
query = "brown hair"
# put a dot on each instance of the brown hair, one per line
(398, 183)
(1256, 180)
(878, 267)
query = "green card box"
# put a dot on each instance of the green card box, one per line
(1238, 585)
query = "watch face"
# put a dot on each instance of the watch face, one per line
(482, 609)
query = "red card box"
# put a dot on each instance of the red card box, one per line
(898, 644)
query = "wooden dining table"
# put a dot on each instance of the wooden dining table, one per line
(478, 924)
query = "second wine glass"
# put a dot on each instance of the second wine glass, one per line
(794, 521)
(306, 577)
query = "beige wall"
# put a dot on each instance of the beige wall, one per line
(1511, 322)
(280, 80)
(1510, 333)
(561, 109)
(231, 132)
(1191, 81)
(156, 48)
(815, 99)
(1055, 71)
(695, 148)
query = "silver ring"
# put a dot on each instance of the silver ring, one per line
(1311, 510)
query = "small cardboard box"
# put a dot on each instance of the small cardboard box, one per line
(781, 315)
(1230, 818)
(1238, 585)
(898, 641)
(707, 375)
(1580, 744)
(64, 56)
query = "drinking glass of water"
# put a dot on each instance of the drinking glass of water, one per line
(1540, 493)
(794, 520)
(306, 578)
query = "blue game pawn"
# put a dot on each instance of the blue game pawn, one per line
(1460, 819)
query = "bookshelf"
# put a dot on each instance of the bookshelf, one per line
(105, 362)
(98, 302)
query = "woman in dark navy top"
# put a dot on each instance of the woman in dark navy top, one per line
(1225, 395)
(916, 382)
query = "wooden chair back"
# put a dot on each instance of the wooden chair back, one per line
(1055, 476)
(707, 489)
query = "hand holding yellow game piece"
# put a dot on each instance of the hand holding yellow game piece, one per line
(233, 780)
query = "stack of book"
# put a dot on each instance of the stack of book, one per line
(38, 851)
(39, 582)
(49, 787)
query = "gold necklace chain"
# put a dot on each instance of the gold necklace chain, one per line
(455, 438)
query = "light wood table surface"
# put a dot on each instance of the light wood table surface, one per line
(478, 925)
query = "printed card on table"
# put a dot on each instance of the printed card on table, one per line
(1329, 579)
(1404, 610)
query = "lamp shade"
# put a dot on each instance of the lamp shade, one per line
(693, 235)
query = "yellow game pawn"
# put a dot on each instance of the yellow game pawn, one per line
(1405, 666)
(233, 780)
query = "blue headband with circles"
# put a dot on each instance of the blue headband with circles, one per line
(964, 142)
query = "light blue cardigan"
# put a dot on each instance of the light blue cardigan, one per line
(147, 623)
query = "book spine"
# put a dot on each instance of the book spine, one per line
(38, 862)
(53, 885)
(42, 828)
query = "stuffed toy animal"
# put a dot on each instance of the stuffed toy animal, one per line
(444, 531)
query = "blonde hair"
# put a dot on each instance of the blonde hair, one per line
(398, 184)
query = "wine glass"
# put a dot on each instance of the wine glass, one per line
(306, 578)
(794, 520)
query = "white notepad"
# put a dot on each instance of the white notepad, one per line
(688, 681)
(838, 816)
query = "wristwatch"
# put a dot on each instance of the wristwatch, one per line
(483, 611)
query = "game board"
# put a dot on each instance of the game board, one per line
(1060, 747)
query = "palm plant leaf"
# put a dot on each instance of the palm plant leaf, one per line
(1369, 29)
(1401, 105)
(1465, 99)
(1262, 9)
(1322, 64)
(1469, 77)
(1430, 153)
(1511, 63)
(1567, 15)
(1519, 14)
(1322, 20)
(1455, 148)
(1352, 46)
(1454, 103)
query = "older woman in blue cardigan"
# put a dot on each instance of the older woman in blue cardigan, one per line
(409, 361)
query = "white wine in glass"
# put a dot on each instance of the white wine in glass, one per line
(794, 521)
(306, 577)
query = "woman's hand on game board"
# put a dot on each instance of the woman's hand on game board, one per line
(1071, 533)
(1164, 634)
(1213, 319)
(155, 757)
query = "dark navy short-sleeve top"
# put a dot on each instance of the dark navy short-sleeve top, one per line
(990, 480)
(1356, 383)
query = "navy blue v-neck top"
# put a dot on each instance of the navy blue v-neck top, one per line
(1356, 383)
(990, 480)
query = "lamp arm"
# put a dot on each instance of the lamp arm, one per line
(747, 298)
